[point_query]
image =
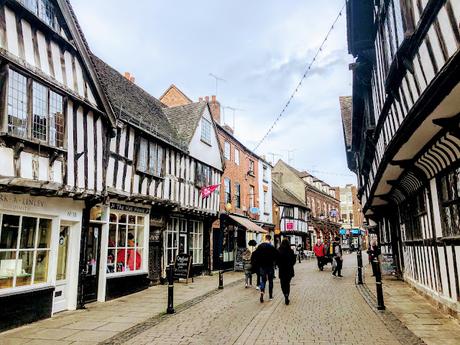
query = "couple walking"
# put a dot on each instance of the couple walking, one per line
(263, 260)
(322, 251)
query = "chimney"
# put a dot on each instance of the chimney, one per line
(130, 77)
(214, 105)
(228, 129)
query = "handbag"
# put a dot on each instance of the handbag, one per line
(334, 264)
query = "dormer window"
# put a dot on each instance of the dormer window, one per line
(206, 131)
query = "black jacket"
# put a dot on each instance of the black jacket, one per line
(264, 256)
(286, 261)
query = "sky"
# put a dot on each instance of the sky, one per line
(261, 48)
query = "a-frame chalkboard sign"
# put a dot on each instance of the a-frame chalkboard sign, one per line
(183, 267)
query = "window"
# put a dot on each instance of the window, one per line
(24, 250)
(237, 157)
(47, 111)
(237, 195)
(449, 195)
(251, 167)
(206, 131)
(228, 191)
(175, 239)
(251, 196)
(196, 248)
(413, 216)
(289, 212)
(227, 150)
(150, 158)
(266, 202)
(44, 9)
(265, 173)
(126, 242)
(203, 176)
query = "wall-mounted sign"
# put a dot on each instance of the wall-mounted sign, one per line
(129, 208)
(342, 231)
(254, 210)
(289, 225)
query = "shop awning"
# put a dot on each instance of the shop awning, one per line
(249, 225)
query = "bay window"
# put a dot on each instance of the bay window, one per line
(449, 195)
(47, 117)
(24, 250)
(126, 242)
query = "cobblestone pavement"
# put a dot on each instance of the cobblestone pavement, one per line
(323, 310)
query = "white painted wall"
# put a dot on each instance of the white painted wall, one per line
(266, 215)
(202, 151)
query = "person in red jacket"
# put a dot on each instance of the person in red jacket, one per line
(319, 251)
(128, 259)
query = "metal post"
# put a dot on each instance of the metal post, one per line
(360, 262)
(221, 274)
(170, 309)
(378, 284)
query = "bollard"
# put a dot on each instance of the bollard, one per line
(170, 309)
(221, 280)
(379, 287)
(360, 266)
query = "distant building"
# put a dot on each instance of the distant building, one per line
(350, 207)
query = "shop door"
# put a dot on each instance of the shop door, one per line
(183, 244)
(60, 293)
(92, 250)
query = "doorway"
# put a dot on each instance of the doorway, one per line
(91, 256)
(61, 292)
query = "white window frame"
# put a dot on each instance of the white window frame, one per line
(227, 150)
(174, 227)
(206, 131)
(237, 156)
(196, 243)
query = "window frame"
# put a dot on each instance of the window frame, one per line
(227, 150)
(237, 156)
(227, 191)
(251, 167)
(206, 131)
(237, 195)
(196, 246)
(448, 185)
(144, 149)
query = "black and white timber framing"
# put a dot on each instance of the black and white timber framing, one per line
(403, 136)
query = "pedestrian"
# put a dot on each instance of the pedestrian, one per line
(299, 252)
(338, 258)
(286, 261)
(319, 251)
(374, 253)
(264, 258)
(247, 266)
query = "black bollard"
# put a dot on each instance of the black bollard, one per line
(221, 280)
(379, 287)
(170, 309)
(359, 257)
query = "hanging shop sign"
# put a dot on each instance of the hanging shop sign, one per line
(290, 226)
(129, 208)
(254, 210)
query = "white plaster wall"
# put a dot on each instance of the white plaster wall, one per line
(202, 151)
(268, 218)
(6, 157)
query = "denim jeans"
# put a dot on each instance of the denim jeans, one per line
(267, 273)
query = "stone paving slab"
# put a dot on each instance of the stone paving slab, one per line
(101, 321)
(416, 313)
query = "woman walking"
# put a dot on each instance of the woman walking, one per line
(247, 267)
(286, 262)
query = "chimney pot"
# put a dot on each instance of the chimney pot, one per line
(129, 76)
(213, 98)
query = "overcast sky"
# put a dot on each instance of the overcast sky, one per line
(260, 48)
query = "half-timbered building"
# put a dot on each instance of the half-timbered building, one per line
(402, 135)
(54, 125)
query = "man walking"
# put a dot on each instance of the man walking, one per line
(319, 251)
(265, 257)
(338, 258)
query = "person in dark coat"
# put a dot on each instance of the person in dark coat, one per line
(286, 261)
(264, 257)
(374, 252)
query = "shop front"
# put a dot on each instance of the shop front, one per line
(115, 253)
(39, 255)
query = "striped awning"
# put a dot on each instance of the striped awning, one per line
(248, 224)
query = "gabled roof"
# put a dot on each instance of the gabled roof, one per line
(171, 90)
(282, 196)
(134, 105)
(85, 53)
(346, 111)
(185, 118)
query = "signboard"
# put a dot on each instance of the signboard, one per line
(182, 266)
(254, 210)
(239, 264)
(355, 232)
(387, 264)
(289, 226)
(129, 208)
(342, 231)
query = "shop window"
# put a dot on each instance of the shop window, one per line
(228, 244)
(47, 118)
(237, 195)
(206, 131)
(24, 250)
(449, 195)
(126, 243)
(150, 158)
(196, 246)
(175, 239)
(203, 176)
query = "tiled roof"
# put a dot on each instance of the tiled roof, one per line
(346, 110)
(185, 118)
(134, 105)
(283, 196)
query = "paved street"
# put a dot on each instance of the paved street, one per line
(323, 310)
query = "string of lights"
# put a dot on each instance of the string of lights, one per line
(305, 74)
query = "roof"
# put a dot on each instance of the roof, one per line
(346, 111)
(134, 105)
(174, 89)
(185, 118)
(283, 196)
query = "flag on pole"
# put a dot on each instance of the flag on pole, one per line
(208, 190)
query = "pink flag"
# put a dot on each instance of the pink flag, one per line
(207, 191)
